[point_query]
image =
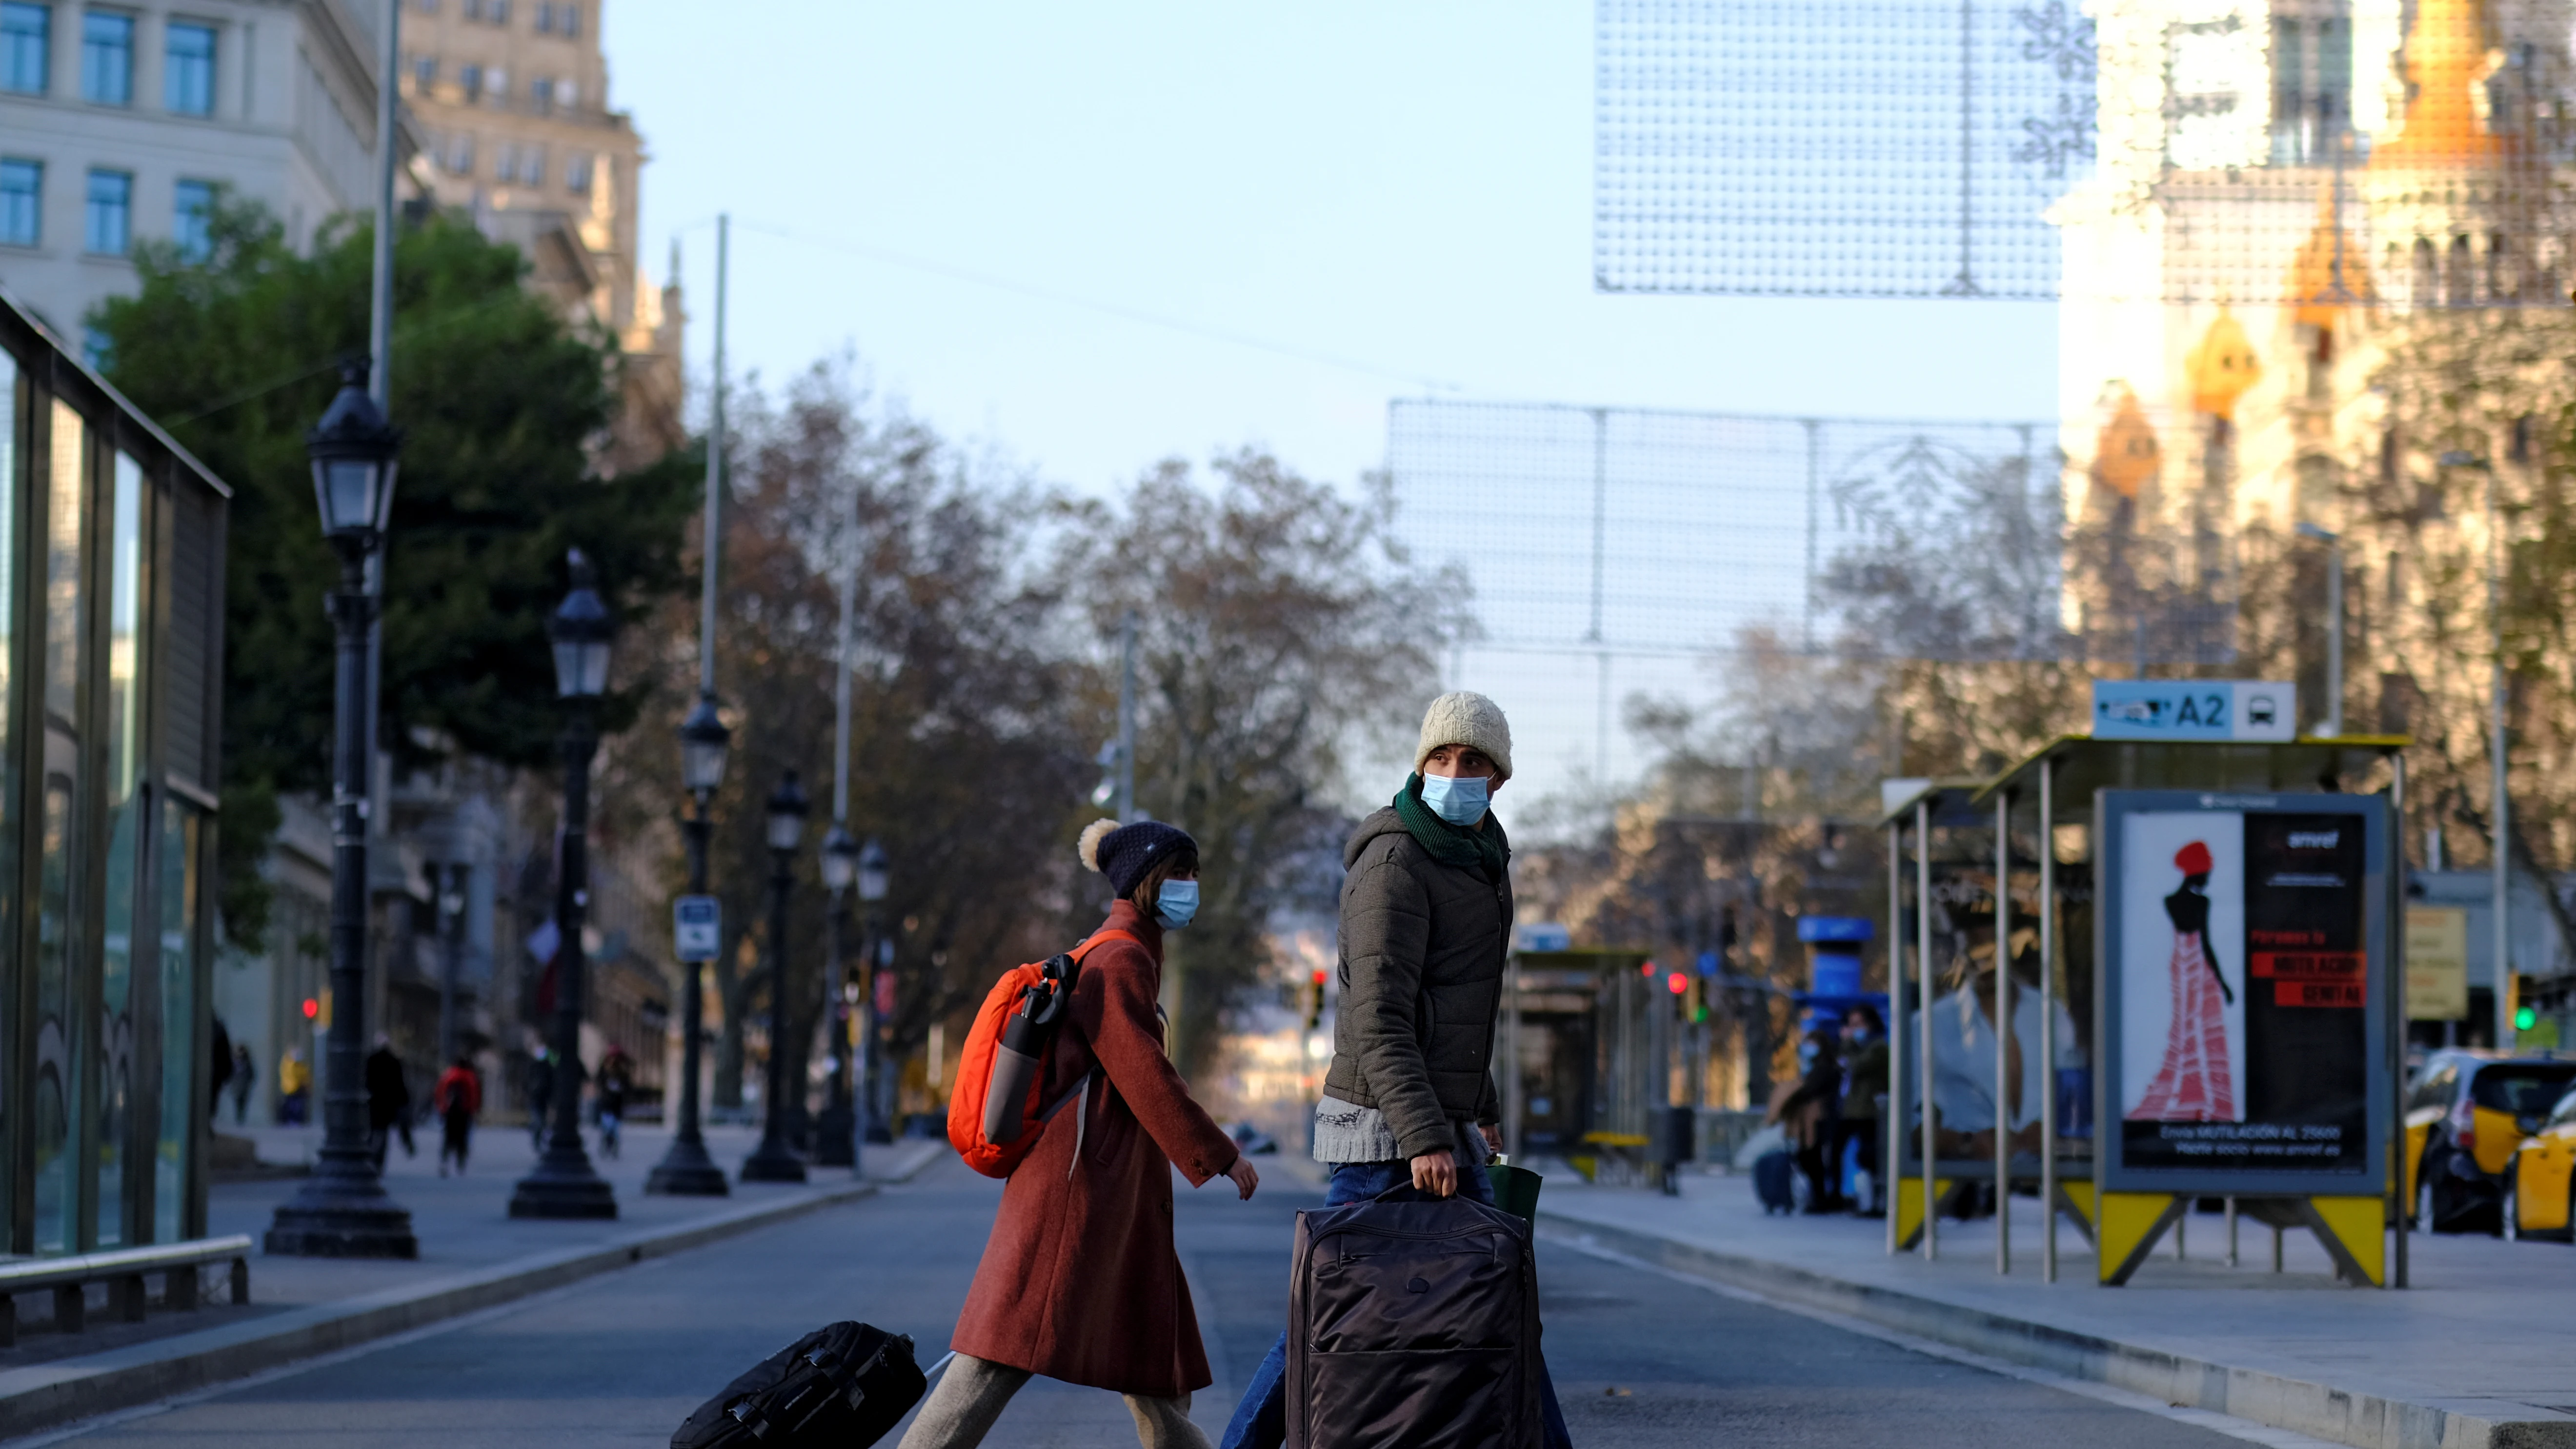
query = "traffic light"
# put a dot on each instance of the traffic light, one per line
(1315, 1001)
(2525, 1017)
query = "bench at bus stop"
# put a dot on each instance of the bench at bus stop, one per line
(180, 1266)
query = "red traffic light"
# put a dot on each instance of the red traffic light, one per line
(1319, 976)
(312, 1008)
(1647, 970)
(1677, 983)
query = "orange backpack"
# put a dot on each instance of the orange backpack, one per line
(993, 1119)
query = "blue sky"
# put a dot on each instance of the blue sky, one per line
(1395, 199)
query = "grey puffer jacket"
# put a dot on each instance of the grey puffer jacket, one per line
(1422, 986)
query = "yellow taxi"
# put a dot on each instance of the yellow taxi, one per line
(2540, 1189)
(2467, 1117)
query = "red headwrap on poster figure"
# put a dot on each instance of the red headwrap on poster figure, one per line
(2193, 859)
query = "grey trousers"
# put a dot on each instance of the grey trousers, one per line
(973, 1392)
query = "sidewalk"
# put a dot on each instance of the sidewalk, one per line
(2477, 1355)
(473, 1256)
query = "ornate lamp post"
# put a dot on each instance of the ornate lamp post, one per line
(343, 1211)
(686, 1170)
(773, 1161)
(563, 1184)
(872, 893)
(835, 1132)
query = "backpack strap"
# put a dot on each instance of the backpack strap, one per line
(1080, 1097)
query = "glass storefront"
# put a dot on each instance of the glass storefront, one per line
(106, 810)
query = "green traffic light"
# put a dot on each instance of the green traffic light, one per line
(2524, 1018)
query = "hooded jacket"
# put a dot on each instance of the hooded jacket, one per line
(1422, 984)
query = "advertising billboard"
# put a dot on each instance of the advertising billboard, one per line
(2242, 1001)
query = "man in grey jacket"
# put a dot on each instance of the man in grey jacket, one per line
(1426, 921)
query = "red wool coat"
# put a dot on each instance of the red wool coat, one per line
(1079, 1281)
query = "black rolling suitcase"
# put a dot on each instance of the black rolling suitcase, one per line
(1413, 1325)
(841, 1386)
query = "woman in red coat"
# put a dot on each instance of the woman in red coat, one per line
(1079, 1281)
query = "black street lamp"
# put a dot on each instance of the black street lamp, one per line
(773, 1161)
(686, 1170)
(872, 893)
(836, 1131)
(343, 1210)
(563, 1184)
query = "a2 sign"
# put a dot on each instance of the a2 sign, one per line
(2195, 709)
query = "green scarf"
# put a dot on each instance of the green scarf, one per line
(1465, 847)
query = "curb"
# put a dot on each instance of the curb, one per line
(2323, 1411)
(43, 1396)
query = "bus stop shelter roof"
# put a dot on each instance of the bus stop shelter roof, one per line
(1951, 798)
(2085, 765)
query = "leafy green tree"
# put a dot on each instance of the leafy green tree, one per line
(505, 407)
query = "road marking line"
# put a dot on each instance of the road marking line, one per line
(2227, 1424)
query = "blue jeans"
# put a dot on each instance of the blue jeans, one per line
(1261, 1420)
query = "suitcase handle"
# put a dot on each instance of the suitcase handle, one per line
(1407, 1192)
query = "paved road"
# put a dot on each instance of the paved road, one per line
(1641, 1360)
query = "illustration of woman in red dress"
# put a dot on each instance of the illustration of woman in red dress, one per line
(2193, 1085)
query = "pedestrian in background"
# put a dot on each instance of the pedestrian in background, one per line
(294, 1087)
(1080, 1281)
(1426, 920)
(616, 1076)
(220, 1062)
(457, 1097)
(388, 1101)
(1808, 1113)
(541, 1091)
(1864, 1089)
(244, 1074)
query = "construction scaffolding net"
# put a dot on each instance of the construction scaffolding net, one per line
(2313, 154)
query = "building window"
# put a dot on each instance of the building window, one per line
(96, 350)
(107, 59)
(577, 173)
(26, 42)
(188, 84)
(541, 94)
(424, 74)
(496, 84)
(22, 202)
(498, 11)
(109, 229)
(567, 92)
(193, 218)
(532, 166)
(471, 78)
(563, 20)
(460, 155)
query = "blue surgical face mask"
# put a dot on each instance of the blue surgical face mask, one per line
(1458, 799)
(1176, 903)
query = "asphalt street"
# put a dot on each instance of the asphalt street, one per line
(1640, 1359)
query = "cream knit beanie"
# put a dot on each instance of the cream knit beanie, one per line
(1466, 718)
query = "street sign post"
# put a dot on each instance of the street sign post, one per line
(697, 928)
